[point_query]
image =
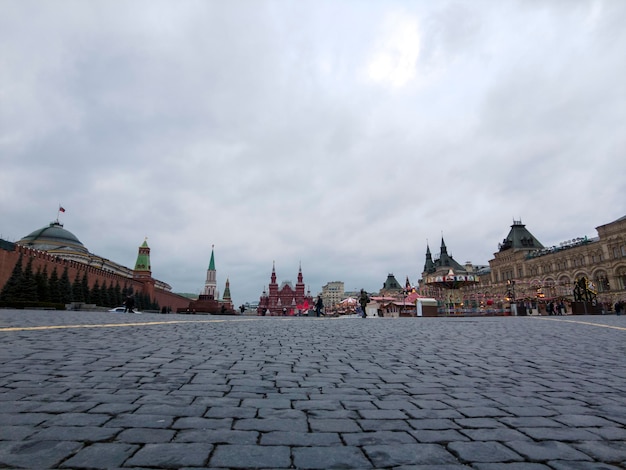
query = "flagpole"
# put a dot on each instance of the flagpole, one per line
(61, 209)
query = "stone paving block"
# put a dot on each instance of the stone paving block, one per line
(247, 456)
(547, 450)
(442, 423)
(570, 465)
(76, 433)
(36, 454)
(64, 407)
(384, 425)
(528, 411)
(281, 414)
(77, 419)
(528, 422)
(202, 423)
(586, 421)
(271, 424)
(217, 436)
(282, 438)
(605, 451)
(171, 410)
(564, 434)
(481, 412)
(426, 404)
(145, 435)
(511, 466)
(365, 404)
(211, 402)
(494, 434)
(333, 425)
(383, 414)
(329, 457)
(477, 423)
(434, 413)
(16, 433)
(139, 421)
(18, 406)
(171, 455)
(438, 436)
(378, 437)
(28, 418)
(408, 454)
(397, 404)
(450, 466)
(610, 434)
(169, 399)
(476, 452)
(318, 404)
(113, 408)
(228, 412)
(101, 455)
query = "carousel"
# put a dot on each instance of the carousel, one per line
(449, 288)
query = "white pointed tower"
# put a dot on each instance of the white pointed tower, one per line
(210, 285)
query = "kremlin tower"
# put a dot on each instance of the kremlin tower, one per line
(210, 285)
(208, 301)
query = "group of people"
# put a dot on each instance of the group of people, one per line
(555, 309)
(363, 301)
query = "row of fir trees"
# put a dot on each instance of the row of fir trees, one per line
(49, 288)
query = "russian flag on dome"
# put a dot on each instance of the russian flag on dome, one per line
(61, 209)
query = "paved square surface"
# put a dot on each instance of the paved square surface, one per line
(103, 390)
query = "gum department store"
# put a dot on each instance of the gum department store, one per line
(524, 271)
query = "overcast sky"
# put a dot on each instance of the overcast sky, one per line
(339, 135)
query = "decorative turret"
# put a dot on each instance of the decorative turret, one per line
(300, 284)
(444, 259)
(429, 266)
(226, 297)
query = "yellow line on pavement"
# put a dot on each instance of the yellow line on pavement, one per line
(108, 325)
(602, 325)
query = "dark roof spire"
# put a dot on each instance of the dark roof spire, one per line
(519, 238)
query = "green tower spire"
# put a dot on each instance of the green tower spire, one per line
(143, 257)
(212, 262)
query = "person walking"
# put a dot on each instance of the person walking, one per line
(319, 305)
(363, 301)
(129, 304)
(619, 307)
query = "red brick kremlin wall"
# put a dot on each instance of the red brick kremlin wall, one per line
(8, 259)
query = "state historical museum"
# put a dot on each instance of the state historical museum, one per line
(285, 299)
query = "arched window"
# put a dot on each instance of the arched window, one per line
(621, 277)
(601, 281)
(565, 287)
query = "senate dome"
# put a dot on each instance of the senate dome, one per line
(55, 239)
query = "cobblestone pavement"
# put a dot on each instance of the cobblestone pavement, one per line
(96, 390)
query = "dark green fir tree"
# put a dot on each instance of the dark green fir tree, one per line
(65, 287)
(9, 291)
(77, 290)
(43, 290)
(53, 284)
(28, 285)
